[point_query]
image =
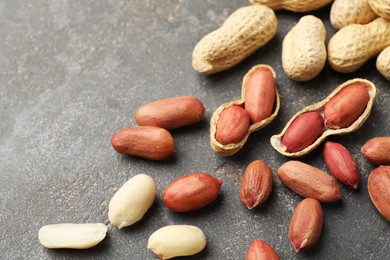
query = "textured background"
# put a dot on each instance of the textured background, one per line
(74, 72)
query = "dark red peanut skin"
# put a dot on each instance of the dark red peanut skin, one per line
(377, 150)
(260, 250)
(256, 184)
(379, 190)
(306, 224)
(191, 192)
(147, 142)
(309, 181)
(343, 109)
(260, 92)
(232, 126)
(171, 113)
(303, 131)
(341, 164)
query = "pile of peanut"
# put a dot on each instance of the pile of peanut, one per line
(364, 33)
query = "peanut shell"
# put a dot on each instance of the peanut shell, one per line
(383, 63)
(299, 6)
(319, 107)
(344, 13)
(381, 7)
(230, 149)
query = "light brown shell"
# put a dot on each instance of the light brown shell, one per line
(383, 63)
(344, 13)
(230, 149)
(298, 6)
(355, 44)
(381, 7)
(276, 140)
(304, 50)
(243, 32)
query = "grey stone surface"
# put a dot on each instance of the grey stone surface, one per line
(74, 72)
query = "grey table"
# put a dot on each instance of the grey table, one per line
(74, 72)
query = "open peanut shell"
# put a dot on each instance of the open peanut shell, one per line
(276, 140)
(230, 149)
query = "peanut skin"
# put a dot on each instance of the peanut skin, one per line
(379, 190)
(243, 32)
(171, 113)
(260, 94)
(344, 13)
(377, 150)
(346, 107)
(304, 51)
(149, 142)
(355, 44)
(260, 250)
(299, 6)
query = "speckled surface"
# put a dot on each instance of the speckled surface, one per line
(74, 72)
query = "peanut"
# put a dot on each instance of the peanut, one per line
(299, 144)
(191, 192)
(260, 250)
(232, 126)
(346, 107)
(260, 94)
(305, 129)
(304, 51)
(130, 203)
(344, 13)
(299, 6)
(381, 7)
(256, 185)
(177, 240)
(76, 236)
(341, 164)
(148, 142)
(383, 63)
(245, 31)
(309, 181)
(306, 224)
(355, 44)
(379, 190)
(171, 113)
(377, 150)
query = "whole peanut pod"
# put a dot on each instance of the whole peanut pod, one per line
(381, 7)
(383, 63)
(355, 44)
(171, 113)
(298, 6)
(243, 32)
(344, 13)
(304, 51)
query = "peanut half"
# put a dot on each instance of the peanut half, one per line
(149, 142)
(171, 113)
(381, 7)
(355, 44)
(304, 50)
(75, 236)
(377, 150)
(243, 32)
(261, 250)
(383, 63)
(259, 101)
(257, 184)
(341, 164)
(130, 203)
(177, 240)
(299, 6)
(379, 190)
(333, 114)
(191, 192)
(344, 13)
(306, 224)
(309, 181)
